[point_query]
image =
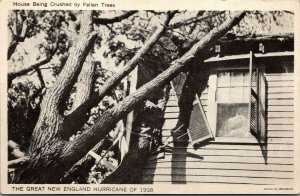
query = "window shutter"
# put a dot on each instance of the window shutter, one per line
(262, 107)
(257, 105)
(198, 129)
(253, 104)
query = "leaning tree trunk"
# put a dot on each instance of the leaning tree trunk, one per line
(49, 153)
(112, 82)
(187, 86)
(78, 110)
(84, 89)
(149, 122)
(110, 117)
(46, 142)
(130, 169)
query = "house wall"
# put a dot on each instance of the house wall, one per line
(233, 163)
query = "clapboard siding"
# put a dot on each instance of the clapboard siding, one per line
(219, 165)
(279, 77)
(204, 100)
(280, 95)
(233, 163)
(280, 84)
(281, 108)
(227, 146)
(216, 179)
(220, 172)
(271, 140)
(276, 114)
(279, 102)
(281, 127)
(271, 134)
(221, 159)
(281, 134)
(280, 90)
(229, 152)
(282, 121)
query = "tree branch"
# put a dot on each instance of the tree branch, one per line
(154, 12)
(73, 66)
(76, 149)
(17, 36)
(130, 168)
(84, 83)
(84, 88)
(40, 76)
(289, 12)
(13, 74)
(75, 120)
(53, 104)
(193, 20)
(119, 18)
(83, 166)
(24, 29)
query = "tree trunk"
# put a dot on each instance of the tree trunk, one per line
(79, 147)
(116, 79)
(131, 166)
(84, 89)
(80, 170)
(49, 153)
(193, 83)
(46, 142)
(130, 169)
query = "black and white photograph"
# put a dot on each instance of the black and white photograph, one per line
(148, 97)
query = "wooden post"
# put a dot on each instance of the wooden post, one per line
(250, 86)
(125, 140)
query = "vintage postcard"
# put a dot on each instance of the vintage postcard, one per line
(149, 97)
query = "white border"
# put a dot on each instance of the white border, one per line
(292, 5)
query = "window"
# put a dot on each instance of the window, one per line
(235, 108)
(232, 98)
(239, 105)
(232, 120)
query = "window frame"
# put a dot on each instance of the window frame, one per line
(213, 103)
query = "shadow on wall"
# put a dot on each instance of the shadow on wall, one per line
(178, 166)
(195, 82)
(186, 85)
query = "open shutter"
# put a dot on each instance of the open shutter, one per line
(262, 107)
(253, 104)
(257, 102)
(198, 129)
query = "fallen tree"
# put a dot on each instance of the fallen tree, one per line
(50, 152)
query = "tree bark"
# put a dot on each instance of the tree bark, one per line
(88, 139)
(194, 83)
(84, 83)
(115, 80)
(105, 21)
(79, 171)
(17, 35)
(84, 89)
(13, 74)
(130, 169)
(46, 141)
(193, 20)
(49, 153)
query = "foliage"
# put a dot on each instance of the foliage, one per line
(23, 111)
